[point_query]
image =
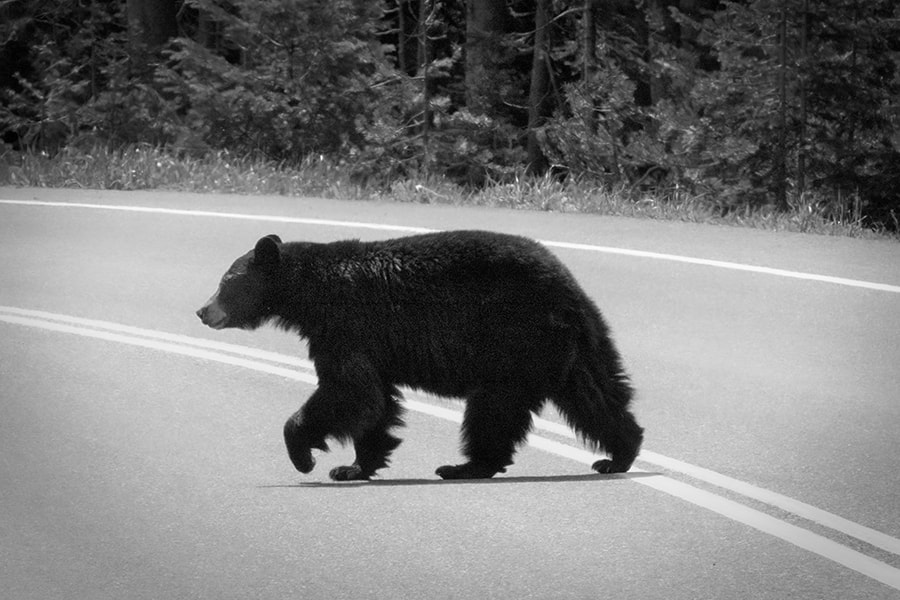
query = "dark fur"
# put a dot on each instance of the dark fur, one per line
(494, 319)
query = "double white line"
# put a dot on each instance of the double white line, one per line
(302, 370)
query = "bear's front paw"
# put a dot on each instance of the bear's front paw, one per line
(302, 458)
(351, 473)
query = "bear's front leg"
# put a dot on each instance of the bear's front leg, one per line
(372, 451)
(351, 407)
(305, 431)
(374, 444)
(298, 447)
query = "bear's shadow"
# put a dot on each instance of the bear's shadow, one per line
(493, 481)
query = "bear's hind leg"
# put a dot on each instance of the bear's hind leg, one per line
(622, 440)
(493, 425)
(596, 407)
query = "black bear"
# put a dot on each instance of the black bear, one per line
(491, 318)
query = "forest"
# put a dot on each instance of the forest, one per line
(736, 104)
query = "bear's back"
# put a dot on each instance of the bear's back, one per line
(473, 255)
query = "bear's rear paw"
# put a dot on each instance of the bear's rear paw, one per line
(469, 470)
(351, 473)
(608, 466)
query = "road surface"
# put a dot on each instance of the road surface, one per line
(141, 453)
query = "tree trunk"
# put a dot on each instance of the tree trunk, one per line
(589, 41)
(540, 87)
(151, 23)
(401, 37)
(656, 24)
(804, 69)
(424, 8)
(486, 22)
(589, 59)
(781, 155)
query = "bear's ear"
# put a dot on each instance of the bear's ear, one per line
(267, 251)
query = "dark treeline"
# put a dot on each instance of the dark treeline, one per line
(742, 104)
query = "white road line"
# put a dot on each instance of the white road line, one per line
(786, 503)
(223, 215)
(807, 540)
(817, 515)
(748, 490)
(161, 335)
(170, 347)
(802, 538)
(721, 264)
(857, 283)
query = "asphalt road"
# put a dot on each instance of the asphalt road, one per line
(140, 458)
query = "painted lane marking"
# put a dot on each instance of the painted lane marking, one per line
(721, 264)
(222, 215)
(163, 336)
(807, 511)
(793, 534)
(801, 509)
(155, 344)
(802, 538)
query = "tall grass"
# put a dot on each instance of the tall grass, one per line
(146, 167)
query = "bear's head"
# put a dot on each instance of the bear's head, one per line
(248, 290)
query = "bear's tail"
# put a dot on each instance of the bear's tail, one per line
(595, 396)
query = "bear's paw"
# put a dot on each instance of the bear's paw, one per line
(606, 466)
(469, 470)
(348, 473)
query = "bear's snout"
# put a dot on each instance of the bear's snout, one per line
(212, 315)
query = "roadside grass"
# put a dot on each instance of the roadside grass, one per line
(145, 167)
